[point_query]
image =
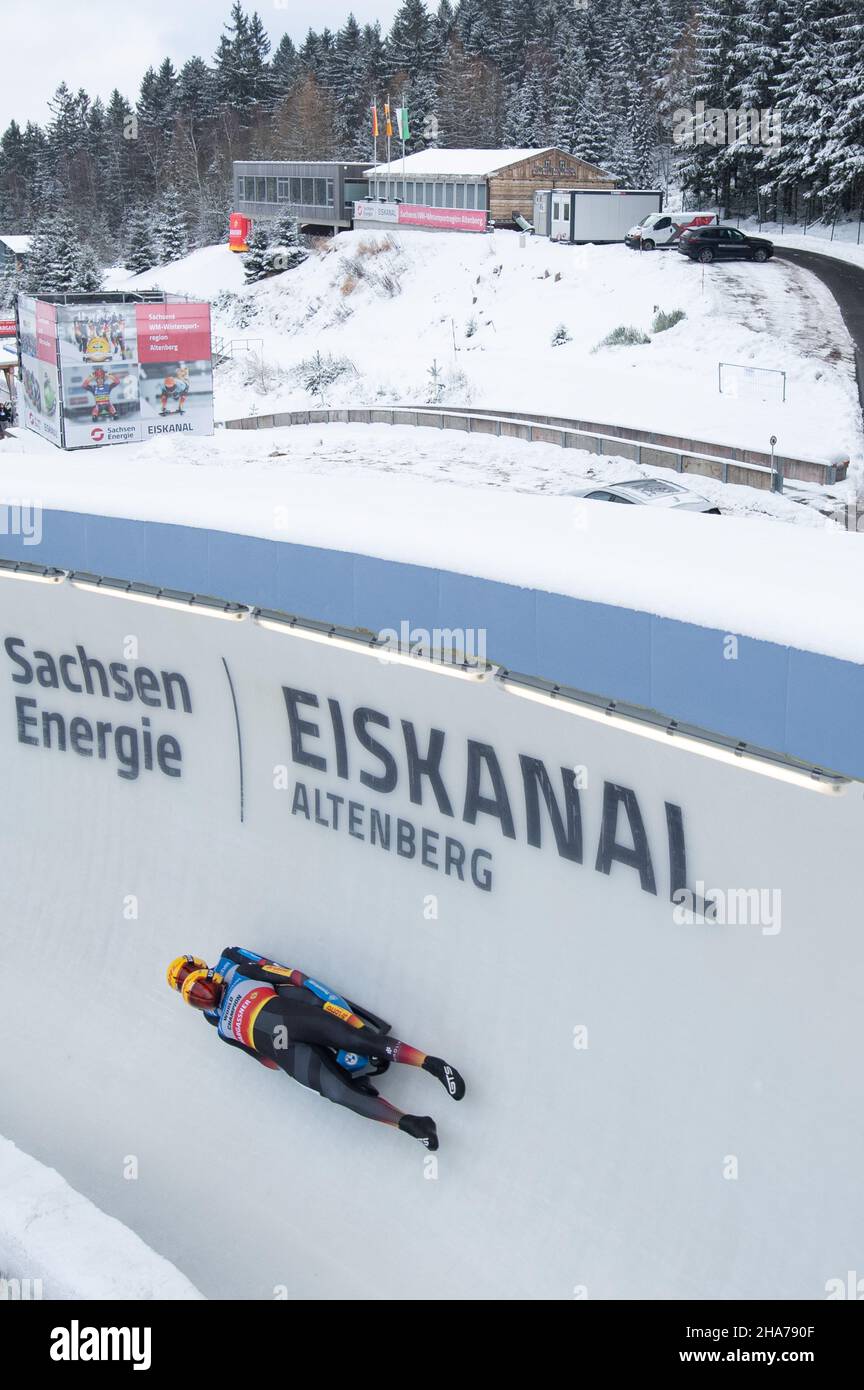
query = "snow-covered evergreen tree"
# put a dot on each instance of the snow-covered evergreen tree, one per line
(142, 243)
(568, 92)
(173, 229)
(256, 260)
(593, 139)
(413, 48)
(527, 124)
(351, 95)
(58, 261)
(285, 250)
(593, 76)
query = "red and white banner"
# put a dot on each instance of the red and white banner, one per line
(451, 219)
(46, 332)
(173, 332)
(418, 215)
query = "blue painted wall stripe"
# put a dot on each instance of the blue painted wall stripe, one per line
(794, 702)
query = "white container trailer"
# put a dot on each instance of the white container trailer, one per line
(581, 214)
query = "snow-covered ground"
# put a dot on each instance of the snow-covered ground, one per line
(170, 479)
(484, 310)
(58, 1245)
(847, 243)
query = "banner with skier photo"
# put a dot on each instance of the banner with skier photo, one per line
(99, 374)
(176, 368)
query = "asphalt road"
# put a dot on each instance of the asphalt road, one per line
(846, 283)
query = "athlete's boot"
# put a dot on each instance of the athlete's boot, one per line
(447, 1075)
(421, 1127)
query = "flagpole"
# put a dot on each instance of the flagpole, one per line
(403, 124)
(389, 135)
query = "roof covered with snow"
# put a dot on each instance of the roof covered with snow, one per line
(17, 244)
(479, 163)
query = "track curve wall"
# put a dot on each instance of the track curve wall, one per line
(657, 1107)
(799, 703)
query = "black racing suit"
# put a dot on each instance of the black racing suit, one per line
(283, 1025)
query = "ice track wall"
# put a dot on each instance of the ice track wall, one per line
(655, 1109)
(796, 702)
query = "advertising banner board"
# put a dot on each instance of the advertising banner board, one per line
(38, 408)
(418, 215)
(127, 371)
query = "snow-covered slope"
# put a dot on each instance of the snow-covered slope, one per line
(485, 309)
(202, 274)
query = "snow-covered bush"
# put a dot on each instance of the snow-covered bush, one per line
(457, 388)
(662, 320)
(234, 309)
(471, 328)
(388, 281)
(377, 262)
(263, 374)
(623, 336)
(315, 374)
(377, 248)
(560, 336)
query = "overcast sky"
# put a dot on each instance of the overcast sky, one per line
(98, 46)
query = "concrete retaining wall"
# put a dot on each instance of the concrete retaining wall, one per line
(748, 467)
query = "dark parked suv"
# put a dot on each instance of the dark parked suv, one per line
(724, 244)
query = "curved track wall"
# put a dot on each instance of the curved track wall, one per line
(656, 1107)
(795, 702)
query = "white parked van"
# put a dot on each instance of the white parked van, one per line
(664, 228)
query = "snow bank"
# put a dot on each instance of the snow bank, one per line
(844, 246)
(203, 274)
(473, 505)
(49, 1232)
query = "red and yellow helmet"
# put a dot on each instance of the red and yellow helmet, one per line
(199, 986)
(202, 989)
(181, 967)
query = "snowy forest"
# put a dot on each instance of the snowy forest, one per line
(147, 175)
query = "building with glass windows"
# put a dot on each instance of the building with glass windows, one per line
(498, 182)
(318, 193)
(446, 189)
